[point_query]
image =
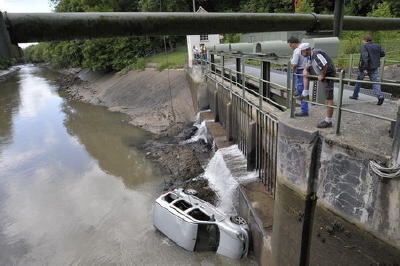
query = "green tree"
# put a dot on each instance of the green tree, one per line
(307, 6)
(382, 10)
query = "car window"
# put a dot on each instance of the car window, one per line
(170, 197)
(199, 215)
(182, 205)
(207, 237)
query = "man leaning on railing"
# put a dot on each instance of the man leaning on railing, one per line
(319, 63)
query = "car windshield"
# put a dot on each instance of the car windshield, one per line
(207, 237)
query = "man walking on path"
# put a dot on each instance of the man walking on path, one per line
(299, 62)
(369, 64)
(319, 63)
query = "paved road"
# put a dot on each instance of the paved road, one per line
(280, 77)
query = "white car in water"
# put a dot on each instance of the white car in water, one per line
(197, 225)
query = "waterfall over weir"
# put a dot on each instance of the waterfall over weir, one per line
(225, 171)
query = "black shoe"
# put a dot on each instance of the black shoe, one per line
(380, 101)
(324, 124)
(301, 114)
(353, 98)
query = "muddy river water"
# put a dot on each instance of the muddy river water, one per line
(75, 189)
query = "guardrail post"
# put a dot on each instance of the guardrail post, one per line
(223, 67)
(260, 89)
(292, 89)
(266, 74)
(251, 146)
(229, 134)
(289, 67)
(238, 65)
(216, 107)
(243, 78)
(396, 140)
(350, 67)
(230, 79)
(340, 101)
(212, 62)
(382, 70)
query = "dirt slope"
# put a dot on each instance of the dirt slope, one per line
(159, 102)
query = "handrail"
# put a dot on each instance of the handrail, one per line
(290, 89)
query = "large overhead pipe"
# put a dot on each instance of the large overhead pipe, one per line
(37, 27)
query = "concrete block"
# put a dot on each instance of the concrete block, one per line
(295, 162)
(260, 237)
(348, 187)
(289, 211)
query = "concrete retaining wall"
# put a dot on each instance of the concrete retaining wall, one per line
(345, 212)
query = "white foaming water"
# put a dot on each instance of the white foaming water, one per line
(225, 171)
(201, 132)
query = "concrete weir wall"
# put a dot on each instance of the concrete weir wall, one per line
(328, 208)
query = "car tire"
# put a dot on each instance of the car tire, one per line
(238, 220)
(190, 191)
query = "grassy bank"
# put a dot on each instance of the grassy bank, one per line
(175, 59)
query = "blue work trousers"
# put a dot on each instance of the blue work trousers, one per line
(300, 88)
(373, 76)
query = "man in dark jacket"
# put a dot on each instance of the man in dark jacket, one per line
(369, 64)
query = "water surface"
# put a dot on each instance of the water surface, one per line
(75, 188)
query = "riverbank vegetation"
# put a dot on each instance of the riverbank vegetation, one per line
(6, 63)
(124, 54)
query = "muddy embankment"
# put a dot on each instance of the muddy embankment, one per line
(6, 74)
(159, 102)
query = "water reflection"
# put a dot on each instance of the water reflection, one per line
(9, 104)
(109, 139)
(74, 189)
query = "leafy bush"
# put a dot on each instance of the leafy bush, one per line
(5, 63)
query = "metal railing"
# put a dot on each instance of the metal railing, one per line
(352, 62)
(339, 107)
(240, 110)
(246, 110)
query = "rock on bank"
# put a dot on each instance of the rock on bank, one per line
(159, 102)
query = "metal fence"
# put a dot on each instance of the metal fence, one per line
(239, 109)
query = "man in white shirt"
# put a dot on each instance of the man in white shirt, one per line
(299, 62)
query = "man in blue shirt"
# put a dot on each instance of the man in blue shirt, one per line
(369, 64)
(299, 62)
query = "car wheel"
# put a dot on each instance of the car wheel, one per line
(238, 220)
(190, 191)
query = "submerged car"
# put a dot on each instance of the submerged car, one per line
(196, 225)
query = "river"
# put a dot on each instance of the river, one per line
(75, 188)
